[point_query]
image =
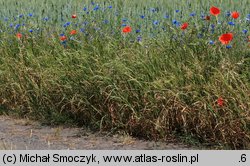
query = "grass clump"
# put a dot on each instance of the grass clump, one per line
(160, 86)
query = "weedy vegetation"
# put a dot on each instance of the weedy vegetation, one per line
(150, 68)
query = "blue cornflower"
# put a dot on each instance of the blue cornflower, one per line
(245, 31)
(192, 14)
(31, 30)
(96, 8)
(62, 34)
(11, 25)
(228, 46)
(175, 22)
(92, 3)
(105, 21)
(139, 38)
(156, 22)
(166, 16)
(85, 23)
(66, 24)
(228, 13)
(85, 9)
(137, 31)
(248, 17)
(152, 10)
(6, 19)
(45, 18)
(110, 7)
(82, 30)
(21, 15)
(231, 23)
(211, 42)
(124, 25)
(17, 26)
(142, 16)
(177, 11)
(203, 16)
(30, 14)
(124, 20)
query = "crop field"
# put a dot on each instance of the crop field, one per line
(150, 68)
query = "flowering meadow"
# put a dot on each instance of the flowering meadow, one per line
(153, 69)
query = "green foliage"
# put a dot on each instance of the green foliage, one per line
(150, 89)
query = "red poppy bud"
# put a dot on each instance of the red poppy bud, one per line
(220, 101)
(63, 38)
(184, 26)
(19, 35)
(73, 32)
(127, 29)
(207, 18)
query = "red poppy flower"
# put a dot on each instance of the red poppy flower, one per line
(19, 35)
(73, 32)
(63, 38)
(184, 26)
(226, 38)
(127, 29)
(207, 18)
(235, 15)
(214, 11)
(220, 101)
(74, 16)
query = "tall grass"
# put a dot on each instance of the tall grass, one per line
(166, 84)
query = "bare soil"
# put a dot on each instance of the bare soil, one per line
(22, 134)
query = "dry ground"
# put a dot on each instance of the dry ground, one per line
(20, 134)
